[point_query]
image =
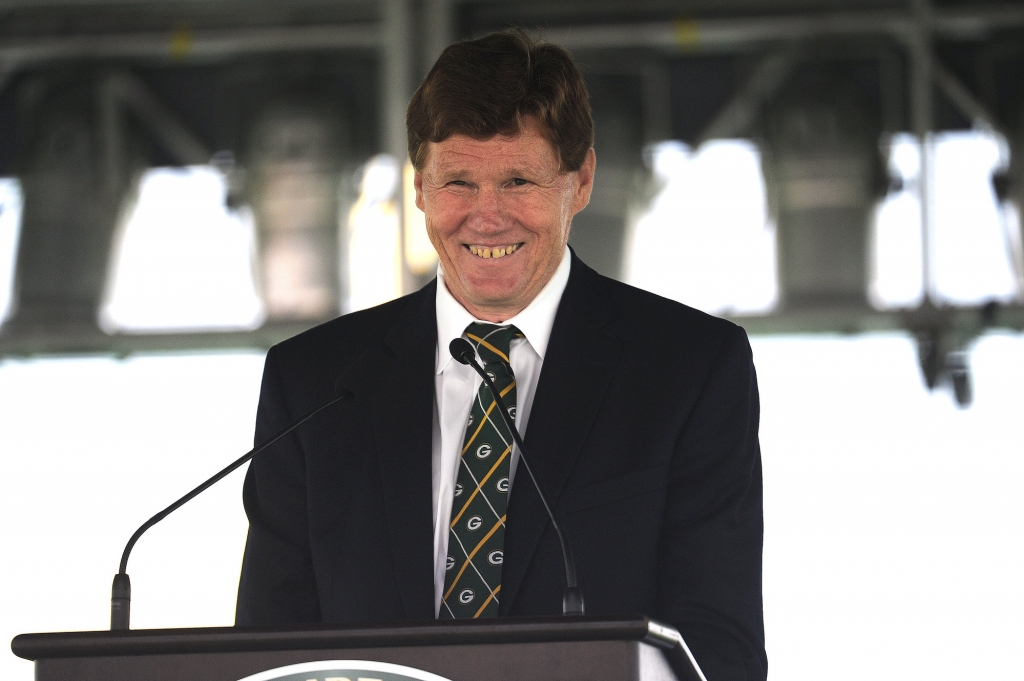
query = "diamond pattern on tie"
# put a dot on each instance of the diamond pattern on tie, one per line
(476, 535)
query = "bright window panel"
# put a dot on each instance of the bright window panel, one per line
(10, 226)
(897, 278)
(133, 436)
(706, 240)
(420, 256)
(973, 238)
(184, 261)
(972, 261)
(1015, 242)
(374, 237)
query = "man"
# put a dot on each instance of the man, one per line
(639, 414)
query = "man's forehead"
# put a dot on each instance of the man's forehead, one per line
(460, 153)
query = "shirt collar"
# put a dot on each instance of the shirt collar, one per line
(535, 320)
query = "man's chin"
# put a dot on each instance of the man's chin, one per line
(492, 279)
(488, 299)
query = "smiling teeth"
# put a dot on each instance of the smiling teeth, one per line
(498, 252)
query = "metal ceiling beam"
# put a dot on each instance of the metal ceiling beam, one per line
(133, 94)
(919, 41)
(396, 88)
(84, 340)
(199, 44)
(739, 114)
(963, 98)
(966, 322)
(962, 321)
(701, 34)
(720, 34)
(7, 5)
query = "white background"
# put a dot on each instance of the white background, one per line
(893, 518)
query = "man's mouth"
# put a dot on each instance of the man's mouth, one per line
(493, 251)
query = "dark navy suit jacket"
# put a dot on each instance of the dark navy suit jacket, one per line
(643, 433)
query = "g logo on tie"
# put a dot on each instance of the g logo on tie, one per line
(502, 485)
(474, 523)
(490, 375)
(512, 412)
(495, 557)
(483, 451)
(458, 489)
(466, 596)
(470, 420)
(449, 563)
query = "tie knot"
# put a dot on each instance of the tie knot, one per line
(492, 342)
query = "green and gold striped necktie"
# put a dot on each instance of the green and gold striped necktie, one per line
(476, 534)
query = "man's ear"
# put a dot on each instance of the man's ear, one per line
(583, 184)
(417, 182)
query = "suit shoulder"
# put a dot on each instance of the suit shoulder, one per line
(345, 337)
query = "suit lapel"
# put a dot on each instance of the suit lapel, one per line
(578, 367)
(402, 424)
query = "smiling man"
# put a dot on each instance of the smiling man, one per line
(640, 414)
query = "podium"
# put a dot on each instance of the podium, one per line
(500, 649)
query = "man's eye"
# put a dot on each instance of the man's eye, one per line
(519, 182)
(457, 183)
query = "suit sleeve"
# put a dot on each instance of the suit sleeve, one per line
(709, 566)
(277, 585)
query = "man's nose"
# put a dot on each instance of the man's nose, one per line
(488, 212)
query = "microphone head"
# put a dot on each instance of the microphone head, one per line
(461, 350)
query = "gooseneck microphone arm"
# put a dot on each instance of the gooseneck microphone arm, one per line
(121, 591)
(572, 598)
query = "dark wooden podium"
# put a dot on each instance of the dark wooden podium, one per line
(564, 648)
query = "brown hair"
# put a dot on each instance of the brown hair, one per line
(489, 86)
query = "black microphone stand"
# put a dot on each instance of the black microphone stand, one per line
(121, 590)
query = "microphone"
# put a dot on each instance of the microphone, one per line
(572, 598)
(366, 366)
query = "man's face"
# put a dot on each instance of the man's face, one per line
(498, 213)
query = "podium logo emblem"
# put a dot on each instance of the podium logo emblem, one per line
(345, 670)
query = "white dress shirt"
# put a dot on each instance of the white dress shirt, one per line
(456, 385)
